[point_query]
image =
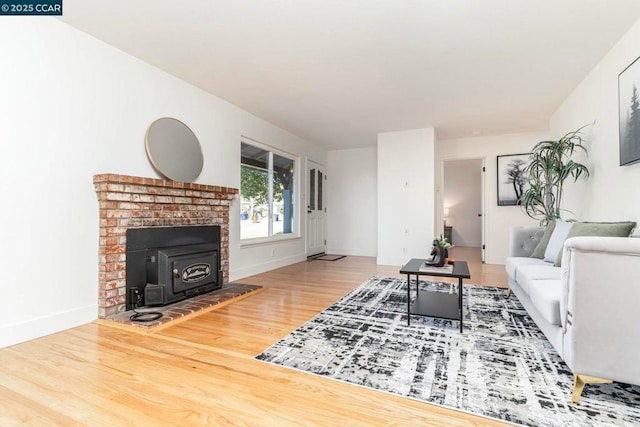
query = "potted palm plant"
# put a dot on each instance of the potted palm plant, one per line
(550, 166)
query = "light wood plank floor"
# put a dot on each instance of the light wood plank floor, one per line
(202, 371)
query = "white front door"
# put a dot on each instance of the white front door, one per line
(316, 209)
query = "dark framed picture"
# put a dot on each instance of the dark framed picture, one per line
(512, 179)
(629, 113)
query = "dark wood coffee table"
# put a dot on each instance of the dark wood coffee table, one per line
(430, 303)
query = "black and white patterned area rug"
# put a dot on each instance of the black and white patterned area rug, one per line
(501, 366)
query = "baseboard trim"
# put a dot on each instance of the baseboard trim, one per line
(241, 273)
(391, 260)
(352, 252)
(495, 260)
(15, 333)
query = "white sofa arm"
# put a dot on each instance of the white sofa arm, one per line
(617, 245)
(523, 240)
(599, 306)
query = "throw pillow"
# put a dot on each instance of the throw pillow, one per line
(606, 229)
(538, 252)
(558, 236)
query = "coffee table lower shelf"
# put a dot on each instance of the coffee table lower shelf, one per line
(435, 304)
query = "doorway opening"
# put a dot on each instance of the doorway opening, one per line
(463, 203)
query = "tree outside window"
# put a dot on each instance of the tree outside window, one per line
(267, 193)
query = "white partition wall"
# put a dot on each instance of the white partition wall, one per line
(352, 218)
(405, 195)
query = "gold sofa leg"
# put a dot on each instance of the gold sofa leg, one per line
(508, 292)
(579, 381)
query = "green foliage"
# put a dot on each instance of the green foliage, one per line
(254, 184)
(442, 241)
(550, 166)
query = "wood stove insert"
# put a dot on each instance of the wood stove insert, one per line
(169, 264)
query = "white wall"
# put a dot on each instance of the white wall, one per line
(612, 193)
(352, 202)
(463, 198)
(498, 219)
(405, 195)
(72, 107)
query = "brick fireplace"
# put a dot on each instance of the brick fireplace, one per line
(135, 202)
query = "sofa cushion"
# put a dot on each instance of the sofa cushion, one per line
(538, 252)
(527, 274)
(545, 297)
(557, 239)
(605, 229)
(512, 264)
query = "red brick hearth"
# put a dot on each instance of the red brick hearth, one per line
(136, 202)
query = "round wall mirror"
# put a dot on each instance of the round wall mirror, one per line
(174, 150)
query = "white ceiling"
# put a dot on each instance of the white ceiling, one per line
(337, 72)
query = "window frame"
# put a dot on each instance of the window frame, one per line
(295, 234)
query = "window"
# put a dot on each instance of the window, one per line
(266, 193)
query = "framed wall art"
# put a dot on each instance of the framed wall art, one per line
(512, 180)
(629, 113)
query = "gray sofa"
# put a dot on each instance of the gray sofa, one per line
(586, 307)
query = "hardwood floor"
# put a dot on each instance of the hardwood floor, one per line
(202, 371)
